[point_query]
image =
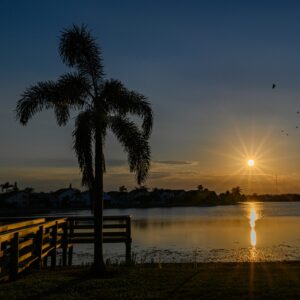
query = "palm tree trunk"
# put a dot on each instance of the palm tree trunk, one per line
(99, 265)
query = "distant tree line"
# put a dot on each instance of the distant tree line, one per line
(141, 196)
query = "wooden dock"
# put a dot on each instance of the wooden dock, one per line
(28, 242)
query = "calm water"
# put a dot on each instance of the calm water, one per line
(246, 232)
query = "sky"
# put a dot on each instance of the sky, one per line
(207, 68)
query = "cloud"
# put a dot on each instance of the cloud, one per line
(159, 175)
(116, 162)
(39, 162)
(51, 162)
(163, 174)
(66, 162)
(173, 162)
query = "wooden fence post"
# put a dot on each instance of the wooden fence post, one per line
(54, 245)
(14, 261)
(128, 240)
(65, 243)
(39, 246)
(45, 259)
(70, 254)
(1, 254)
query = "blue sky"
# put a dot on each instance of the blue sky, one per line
(207, 67)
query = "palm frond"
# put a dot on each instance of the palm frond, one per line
(120, 99)
(71, 91)
(62, 113)
(79, 49)
(68, 92)
(134, 143)
(35, 99)
(83, 141)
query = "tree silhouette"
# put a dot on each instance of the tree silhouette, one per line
(15, 187)
(142, 188)
(237, 194)
(236, 191)
(122, 189)
(29, 190)
(6, 186)
(200, 187)
(102, 104)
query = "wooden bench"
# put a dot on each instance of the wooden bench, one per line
(116, 229)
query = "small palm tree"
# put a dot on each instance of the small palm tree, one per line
(102, 105)
(4, 186)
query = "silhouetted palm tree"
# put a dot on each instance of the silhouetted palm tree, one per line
(6, 186)
(103, 104)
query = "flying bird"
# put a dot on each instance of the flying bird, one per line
(298, 112)
(273, 86)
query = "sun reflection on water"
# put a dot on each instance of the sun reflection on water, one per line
(253, 216)
(253, 237)
(252, 219)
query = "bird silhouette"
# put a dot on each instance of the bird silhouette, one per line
(298, 112)
(273, 86)
(296, 127)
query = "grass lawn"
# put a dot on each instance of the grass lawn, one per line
(172, 281)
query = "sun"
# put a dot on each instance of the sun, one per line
(250, 162)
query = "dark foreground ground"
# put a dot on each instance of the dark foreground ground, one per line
(175, 281)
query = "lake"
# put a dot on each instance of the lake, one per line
(252, 231)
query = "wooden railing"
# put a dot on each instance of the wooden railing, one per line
(116, 229)
(26, 242)
(23, 224)
(29, 244)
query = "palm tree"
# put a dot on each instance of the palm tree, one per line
(6, 186)
(102, 105)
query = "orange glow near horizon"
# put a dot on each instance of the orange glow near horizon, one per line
(253, 162)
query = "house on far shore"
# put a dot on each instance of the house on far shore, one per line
(69, 197)
(86, 198)
(107, 197)
(43, 200)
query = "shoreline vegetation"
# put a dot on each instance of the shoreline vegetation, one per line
(14, 202)
(268, 280)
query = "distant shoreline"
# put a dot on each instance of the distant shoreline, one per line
(18, 212)
(27, 202)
